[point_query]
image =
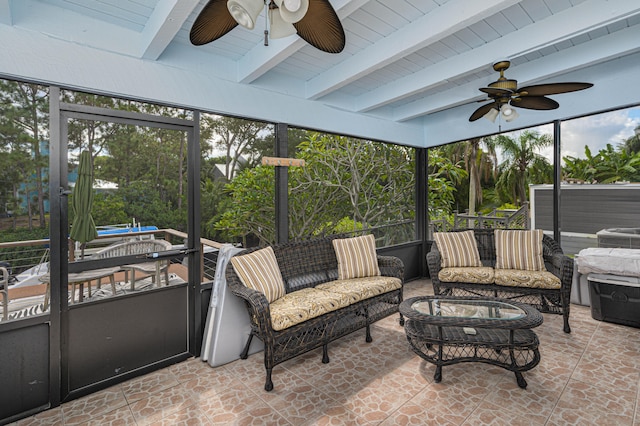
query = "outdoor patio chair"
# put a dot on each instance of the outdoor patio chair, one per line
(155, 268)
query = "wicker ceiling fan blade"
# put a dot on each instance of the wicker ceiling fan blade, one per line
(321, 27)
(480, 112)
(534, 102)
(213, 22)
(553, 88)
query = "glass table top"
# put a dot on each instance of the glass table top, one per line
(461, 308)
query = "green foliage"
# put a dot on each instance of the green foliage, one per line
(508, 206)
(21, 258)
(147, 207)
(23, 126)
(522, 165)
(23, 234)
(632, 144)
(346, 225)
(242, 142)
(609, 165)
(478, 159)
(346, 182)
(250, 210)
(212, 196)
(107, 209)
(444, 176)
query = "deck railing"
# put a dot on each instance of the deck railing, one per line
(30, 258)
(497, 218)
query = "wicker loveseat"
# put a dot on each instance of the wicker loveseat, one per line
(548, 288)
(315, 307)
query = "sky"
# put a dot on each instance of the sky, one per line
(596, 131)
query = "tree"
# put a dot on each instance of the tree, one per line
(617, 165)
(344, 181)
(522, 162)
(608, 166)
(237, 138)
(444, 176)
(582, 169)
(250, 209)
(632, 143)
(26, 107)
(372, 176)
(480, 165)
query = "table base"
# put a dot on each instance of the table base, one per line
(514, 350)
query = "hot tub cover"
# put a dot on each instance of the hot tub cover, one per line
(615, 261)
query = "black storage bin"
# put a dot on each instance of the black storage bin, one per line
(615, 299)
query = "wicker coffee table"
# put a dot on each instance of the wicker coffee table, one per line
(446, 330)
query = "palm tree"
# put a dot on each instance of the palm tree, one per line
(522, 161)
(632, 144)
(482, 167)
(478, 163)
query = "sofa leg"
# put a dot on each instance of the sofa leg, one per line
(368, 339)
(268, 385)
(401, 320)
(567, 329)
(325, 354)
(245, 352)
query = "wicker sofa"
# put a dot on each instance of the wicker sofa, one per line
(316, 307)
(519, 286)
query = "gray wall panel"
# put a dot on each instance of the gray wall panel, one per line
(24, 371)
(589, 209)
(119, 335)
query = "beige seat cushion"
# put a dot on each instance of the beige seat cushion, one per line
(356, 257)
(519, 250)
(302, 305)
(362, 288)
(476, 275)
(259, 270)
(530, 279)
(457, 249)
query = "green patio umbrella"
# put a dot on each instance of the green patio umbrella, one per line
(83, 229)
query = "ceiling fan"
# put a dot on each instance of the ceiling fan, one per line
(315, 21)
(504, 94)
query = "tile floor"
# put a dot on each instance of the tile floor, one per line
(589, 377)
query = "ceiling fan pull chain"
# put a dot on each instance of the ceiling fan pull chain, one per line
(266, 22)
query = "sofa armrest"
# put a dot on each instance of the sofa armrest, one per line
(255, 301)
(434, 262)
(391, 266)
(562, 267)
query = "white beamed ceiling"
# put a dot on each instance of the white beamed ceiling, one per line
(409, 73)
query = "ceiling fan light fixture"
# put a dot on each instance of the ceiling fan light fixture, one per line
(278, 27)
(315, 21)
(508, 113)
(492, 114)
(293, 4)
(245, 12)
(292, 11)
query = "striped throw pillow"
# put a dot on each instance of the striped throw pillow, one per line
(519, 250)
(356, 257)
(457, 249)
(259, 270)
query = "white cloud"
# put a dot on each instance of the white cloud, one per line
(595, 131)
